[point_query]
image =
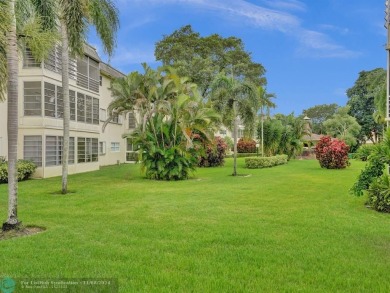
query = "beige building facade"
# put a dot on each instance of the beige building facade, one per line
(41, 110)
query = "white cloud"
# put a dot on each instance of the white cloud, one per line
(277, 17)
(125, 57)
(317, 44)
(292, 5)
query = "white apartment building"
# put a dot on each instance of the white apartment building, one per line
(41, 111)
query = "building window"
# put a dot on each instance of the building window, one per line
(32, 149)
(87, 109)
(95, 111)
(32, 98)
(29, 60)
(88, 75)
(54, 62)
(100, 80)
(87, 150)
(222, 131)
(132, 121)
(116, 118)
(80, 107)
(72, 102)
(54, 101)
(102, 148)
(115, 147)
(54, 149)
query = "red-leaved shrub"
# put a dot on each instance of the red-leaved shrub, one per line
(214, 154)
(245, 145)
(332, 153)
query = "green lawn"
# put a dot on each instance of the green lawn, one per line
(291, 228)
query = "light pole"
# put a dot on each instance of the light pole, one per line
(387, 21)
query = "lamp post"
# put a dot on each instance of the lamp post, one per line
(387, 22)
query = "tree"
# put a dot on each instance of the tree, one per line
(23, 24)
(173, 116)
(265, 101)
(361, 100)
(203, 58)
(318, 115)
(75, 16)
(343, 126)
(282, 135)
(236, 100)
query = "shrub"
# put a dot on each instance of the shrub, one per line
(363, 152)
(214, 154)
(264, 162)
(168, 164)
(332, 153)
(25, 170)
(245, 145)
(379, 194)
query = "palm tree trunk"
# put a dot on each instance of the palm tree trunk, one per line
(262, 132)
(235, 134)
(65, 88)
(12, 122)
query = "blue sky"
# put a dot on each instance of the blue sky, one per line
(312, 50)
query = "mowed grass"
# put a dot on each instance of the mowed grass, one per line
(291, 228)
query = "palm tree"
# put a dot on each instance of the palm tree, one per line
(75, 16)
(265, 101)
(24, 23)
(236, 100)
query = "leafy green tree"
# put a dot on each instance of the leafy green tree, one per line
(75, 16)
(236, 100)
(343, 126)
(361, 99)
(172, 116)
(203, 58)
(23, 23)
(318, 115)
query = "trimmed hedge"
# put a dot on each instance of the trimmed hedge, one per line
(25, 170)
(266, 162)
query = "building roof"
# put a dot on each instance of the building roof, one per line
(312, 137)
(110, 71)
(91, 52)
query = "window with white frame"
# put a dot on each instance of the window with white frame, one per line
(87, 150)
(32, 149)
(87, 109)
(132, 121)
(115, 147)
(222, 131)
(88, 74)
(72, 103)
(54, 102)
(32, 93)
(54, 149)
(102, 148)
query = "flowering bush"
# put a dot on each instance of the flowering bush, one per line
(332, 153)
(245, 145)
(214, 154)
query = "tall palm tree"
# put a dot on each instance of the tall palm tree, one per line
(74, 17)
(236, 100)
(265, 101)
(24, 23)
